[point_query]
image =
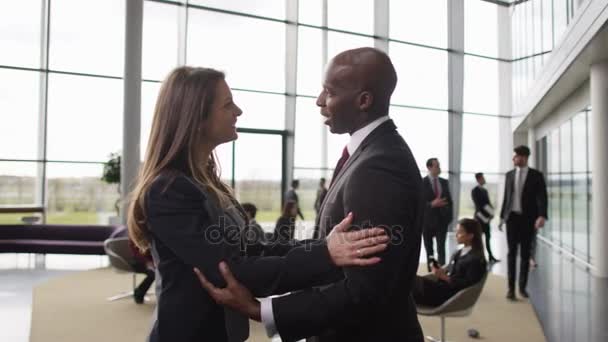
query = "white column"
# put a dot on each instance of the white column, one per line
(291, 68)
(381, 24)
(40, 195)
(134, 16)
(599, 160)
(455, 95)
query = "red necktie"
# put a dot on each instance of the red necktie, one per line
(339, 165)
(435, 187)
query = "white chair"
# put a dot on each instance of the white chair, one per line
(459, 305)
(121, 258)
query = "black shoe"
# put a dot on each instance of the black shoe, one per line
(494, 260)
(138, 297)
(524, 293)
(511, 295)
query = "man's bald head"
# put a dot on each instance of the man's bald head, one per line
(371, 70)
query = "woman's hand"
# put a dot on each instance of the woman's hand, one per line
(440, 274)
(352, 248)
(234, 295)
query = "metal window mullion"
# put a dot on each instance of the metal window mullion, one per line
(182, 34)
(324, 59)
(381, 24)
(45, 20)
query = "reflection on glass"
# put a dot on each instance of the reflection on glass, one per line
(310, 60)
(266, 8)
(479, 144)
(20, 33)
(159, 48)
(480, 85)
(481, 28)
(264, 111)
(250, 51)
(88, 36)
(422, 74)
(348, 15)
(84, 118)
(77, 195)
(422, 22)
(425, 132)
(19, 108)
(258, 167)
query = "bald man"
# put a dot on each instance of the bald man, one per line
(378, 181)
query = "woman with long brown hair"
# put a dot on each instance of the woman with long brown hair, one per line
(467, 266)
(188, 218)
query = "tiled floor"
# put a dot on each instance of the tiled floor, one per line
(571, 304)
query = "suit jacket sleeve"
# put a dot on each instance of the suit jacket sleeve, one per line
(503, 209)
(542, 196)
(363, 291)
(450, 206)
(469, 273)
(177, 218)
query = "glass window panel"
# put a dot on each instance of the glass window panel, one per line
(159, 48)
(415, 126)
(19, 92)
(310, 61)
(309, 134)
(566, 147)
(83, 124)
(260, 110)
(560, 19)
(348, 15)
(422, 22)
(554, 185)
(307, 193)
(225, 159)
(18, 183)
(579, 143)
(88, 36)
(310, 12)
(339, 42)
(20, 33)
(537, 24)
(581, 221)
(547, 25)
(149, 94)
(260, 183)
(481, 28)
(566, 210)
(266, 8)
(480, 85)
(422, 74)
(529, 26)
(479, 144)
(77, 195)
(255, 56)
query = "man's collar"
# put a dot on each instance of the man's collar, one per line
(359, 135)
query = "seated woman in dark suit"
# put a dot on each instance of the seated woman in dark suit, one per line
(188, 218)
(286, 224)
(467, 266)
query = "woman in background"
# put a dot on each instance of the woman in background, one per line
(286, 224)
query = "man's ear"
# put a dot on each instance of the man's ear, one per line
(366, 100)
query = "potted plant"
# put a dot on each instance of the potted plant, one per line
(111, 175)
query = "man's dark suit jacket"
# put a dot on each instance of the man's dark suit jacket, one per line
(481, 199)
(437, 218)
(533, 196)
(464, 271)
(292, 195)
(380, 184)
(188, 230)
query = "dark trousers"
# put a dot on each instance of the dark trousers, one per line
(520, 231)
(141, 289)
(486, 231)
(439, 234)
(431, 292)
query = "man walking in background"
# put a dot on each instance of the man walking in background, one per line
(437, 213)
(292, 195)
(484, 211)
(321, 192)
(524, 209)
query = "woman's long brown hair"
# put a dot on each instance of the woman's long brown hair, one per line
(184, 103)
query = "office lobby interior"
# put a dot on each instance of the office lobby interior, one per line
(79, 80)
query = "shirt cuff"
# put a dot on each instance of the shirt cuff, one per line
(268, 316)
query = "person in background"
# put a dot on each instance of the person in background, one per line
(253, 234)
(437, 213)
(321, 192)
(524, 210)
(292, 195)
(467, 267)
(484, 211)
(286, 224)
